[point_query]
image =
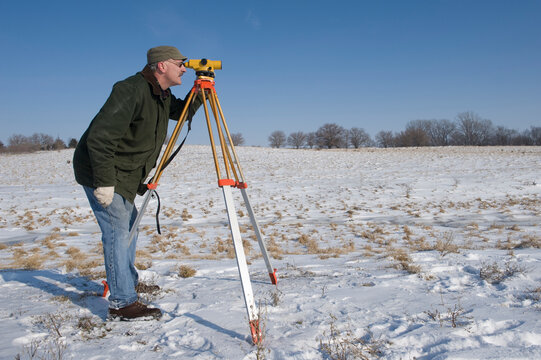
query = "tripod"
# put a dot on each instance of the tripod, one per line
(233, 178)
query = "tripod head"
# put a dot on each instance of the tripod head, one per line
(203, 67)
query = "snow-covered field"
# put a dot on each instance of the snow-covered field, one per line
(428, 253)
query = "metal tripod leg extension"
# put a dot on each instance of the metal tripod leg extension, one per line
(241, 263)
(135, 225)
(255, 225)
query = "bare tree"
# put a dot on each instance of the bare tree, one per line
(416, 134)
(535, 135)
(58, 144)
(330, 135)
(72, 144)
(523, 138)
(311, 139)
(43, 141)
(238, 139)
(385, 139)
(21, 143)
(277, 139)
(472, 129)
(17, 139)
(359, 137)
(345, 139)
(441, 132)
(296, 139)
(504, 136)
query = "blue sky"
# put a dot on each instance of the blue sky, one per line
(287, 65)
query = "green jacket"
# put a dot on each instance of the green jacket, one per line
(124, 140)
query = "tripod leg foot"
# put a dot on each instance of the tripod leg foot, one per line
(274, 279)
(256, 332)
(105, 289)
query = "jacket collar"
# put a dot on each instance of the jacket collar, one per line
(151, 79)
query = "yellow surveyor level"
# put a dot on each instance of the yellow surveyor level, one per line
(203, 64)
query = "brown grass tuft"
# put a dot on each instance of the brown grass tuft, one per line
(185, 271)
(402, 260)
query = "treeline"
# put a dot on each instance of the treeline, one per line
(37, 142)
(468, 129)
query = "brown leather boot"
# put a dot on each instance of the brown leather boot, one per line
(134, 311)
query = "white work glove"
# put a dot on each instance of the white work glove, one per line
(104, 195)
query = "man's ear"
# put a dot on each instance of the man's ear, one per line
(161, 66)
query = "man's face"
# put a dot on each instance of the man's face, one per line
(174, 69)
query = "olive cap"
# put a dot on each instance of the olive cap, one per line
(162, 53)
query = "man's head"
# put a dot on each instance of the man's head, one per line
(167, 63)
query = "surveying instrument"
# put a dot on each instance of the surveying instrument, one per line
(233, 178)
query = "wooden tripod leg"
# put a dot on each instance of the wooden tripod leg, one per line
(226, 144)
(223, 144)
(174, 137)
(228, 134)
(211, 136)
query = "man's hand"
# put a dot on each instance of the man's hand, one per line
(104, 195)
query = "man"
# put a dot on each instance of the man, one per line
(116, 154)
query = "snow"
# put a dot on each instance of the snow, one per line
(399, 248)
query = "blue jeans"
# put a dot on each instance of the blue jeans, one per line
(115, 222)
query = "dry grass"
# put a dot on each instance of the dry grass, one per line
(376, 235)
(455, 316)
(310, 243)
(446, 245)
(344, 344)
(49, 240)
(185, 271)
(33, 262)
(528, 241)
(85, 268)
(143, 264)
(75, 252)
(142, 254)
(93, 274)
(419, 244)
(33, 259)
(533, 295)
(495, 273)
(185, 215)
(53, 346)
(92, 328)
(170, 212)
(224, 247)
(402, 260)
(274, 249)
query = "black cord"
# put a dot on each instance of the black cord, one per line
(157, 212)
